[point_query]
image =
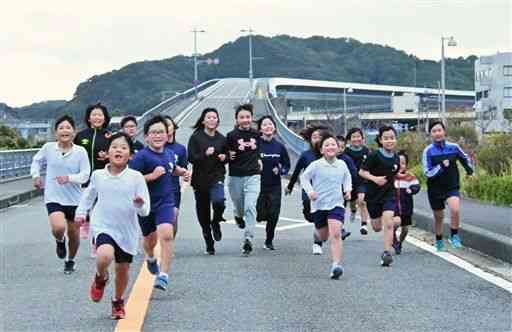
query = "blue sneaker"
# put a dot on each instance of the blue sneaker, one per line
(161, 283)
(153, 267)
(454, 240)
(440, 245)
(386, 259)
(336, 272)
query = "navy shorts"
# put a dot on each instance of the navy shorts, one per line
(375, 209)
(68, 210)
(163, 214)
(177, 198)
(120, 256)
(438, 200)
(321, 217)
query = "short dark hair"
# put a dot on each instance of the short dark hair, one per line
(260, 121)
(199, 123)
(382, 130)
(404, 154)
(325, 137)
(120, 134)
(127, 119)
(353, 131)
(64, 118)
(103, 109)
(340, 138)
(174, 124)
(154, 120)
(435, 123)
(244, 107)
(306, 133)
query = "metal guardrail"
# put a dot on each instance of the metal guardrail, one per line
(15, 163)
(290, 138)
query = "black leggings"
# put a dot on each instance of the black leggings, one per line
(269, 208)
(214, 197)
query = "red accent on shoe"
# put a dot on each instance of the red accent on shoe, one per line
(97, 288)
(118, 309)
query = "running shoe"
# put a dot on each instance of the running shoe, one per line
(317, 249)
(118, 309)
(69, 267)
(386, 259)
(268, 246)
(240, 222)
(60, 248)
(398, 247)
(98, 288)
(210, 251)
(440, 245)
(246, 247)
(153, 267)
(454, 240)
(336, 272)
(161, 282)
(217, 234)
(363, 230)
(344, 234)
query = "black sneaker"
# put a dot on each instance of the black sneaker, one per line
(344, 234)
(246, 247)
(210, 252)
(61, 249)
(268, 246)
(69, 267)
(217, 234)
(240, 222)
(386, 259)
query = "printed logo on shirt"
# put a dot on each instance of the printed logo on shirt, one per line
(271, 155)
(171, 167)
(108, 134)
(395, 167)
(242, 145)
(84, 141)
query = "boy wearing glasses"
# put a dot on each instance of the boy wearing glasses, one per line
(158, 165)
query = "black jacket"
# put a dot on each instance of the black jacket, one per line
(206, 169)
(94, 141)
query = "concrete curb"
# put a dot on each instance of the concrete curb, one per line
(19, 198)
(492, 244)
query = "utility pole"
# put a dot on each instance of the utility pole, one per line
(195, 32)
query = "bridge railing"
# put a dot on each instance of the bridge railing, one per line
(290, 138)
(15, 163)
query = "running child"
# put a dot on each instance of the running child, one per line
(181, 160)
(129, 127)
(353, 173)
(121, 194)
(407, 185)
(313, 136)
(358, 152)
(208, 154)
(158, 165)
(380, 169)
(276, 163)
(324, 181)
(244, 173)
(443, 181)
(67, 168)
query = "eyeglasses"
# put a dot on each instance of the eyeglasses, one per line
(157, 132)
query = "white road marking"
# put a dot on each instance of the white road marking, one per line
(502, 283)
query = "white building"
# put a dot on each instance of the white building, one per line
(493, 87)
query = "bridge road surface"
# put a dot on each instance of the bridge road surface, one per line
(283, 290)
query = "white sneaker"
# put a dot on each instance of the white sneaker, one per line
(317, 249)
(363, 230)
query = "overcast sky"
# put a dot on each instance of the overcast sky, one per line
(48, 47)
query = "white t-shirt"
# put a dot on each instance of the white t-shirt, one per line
(327, 180)
(73, 163)
(114, 213)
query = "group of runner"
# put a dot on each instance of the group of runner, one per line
(125, 188)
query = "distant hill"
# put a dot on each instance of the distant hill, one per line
(139, 86)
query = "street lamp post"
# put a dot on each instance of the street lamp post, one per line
(195, 32)
(251, 73)
(451, 42)
(345, 109)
